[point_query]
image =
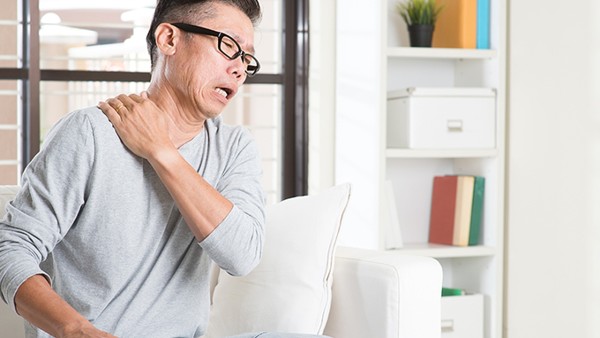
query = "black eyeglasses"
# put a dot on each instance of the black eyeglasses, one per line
(227, 45)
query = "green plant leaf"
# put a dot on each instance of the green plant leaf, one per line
(422, 12)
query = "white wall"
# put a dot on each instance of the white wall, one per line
(553, 206)
(321, 102)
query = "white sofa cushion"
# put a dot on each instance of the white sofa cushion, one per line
(290, 290)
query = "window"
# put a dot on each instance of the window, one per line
(11, 92)
(75, 53)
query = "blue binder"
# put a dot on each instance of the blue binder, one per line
(483, 24)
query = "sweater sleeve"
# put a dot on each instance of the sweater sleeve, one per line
(51, 194)
(236, 244)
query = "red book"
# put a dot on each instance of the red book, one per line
(443, 208)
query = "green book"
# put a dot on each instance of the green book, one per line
(452, 292)
(476, 210)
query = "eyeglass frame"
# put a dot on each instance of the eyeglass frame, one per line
(186, 27)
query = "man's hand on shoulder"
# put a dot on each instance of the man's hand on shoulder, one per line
(140, 124)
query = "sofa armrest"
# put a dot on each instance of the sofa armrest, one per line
(385, 294)
(7, 194)
(11, 324)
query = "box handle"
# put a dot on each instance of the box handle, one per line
(455, 125)
(447, 325)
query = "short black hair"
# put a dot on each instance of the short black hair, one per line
(185, 10)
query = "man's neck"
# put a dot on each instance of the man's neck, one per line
(184, 124)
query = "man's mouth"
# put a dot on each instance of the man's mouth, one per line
(225, 92)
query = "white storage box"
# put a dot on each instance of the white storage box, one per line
(442, 118)
(462, 316)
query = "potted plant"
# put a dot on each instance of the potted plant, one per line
(420, 17)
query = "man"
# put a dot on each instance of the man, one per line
(120, 214)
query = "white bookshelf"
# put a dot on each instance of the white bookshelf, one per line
(373, 58)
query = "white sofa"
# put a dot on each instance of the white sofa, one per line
(375, 294)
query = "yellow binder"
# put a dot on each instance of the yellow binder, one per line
(456, 26)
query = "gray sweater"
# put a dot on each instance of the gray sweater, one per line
(97, 221)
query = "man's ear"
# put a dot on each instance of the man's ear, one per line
(167, 36)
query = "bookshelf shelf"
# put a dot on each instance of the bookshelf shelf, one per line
(446, 251)
(391, 153)
(440, 53)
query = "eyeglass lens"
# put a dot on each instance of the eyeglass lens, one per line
(231, 49)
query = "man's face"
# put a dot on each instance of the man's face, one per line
(206, 78)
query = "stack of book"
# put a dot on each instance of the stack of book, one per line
(463, 24)
(456, 210)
